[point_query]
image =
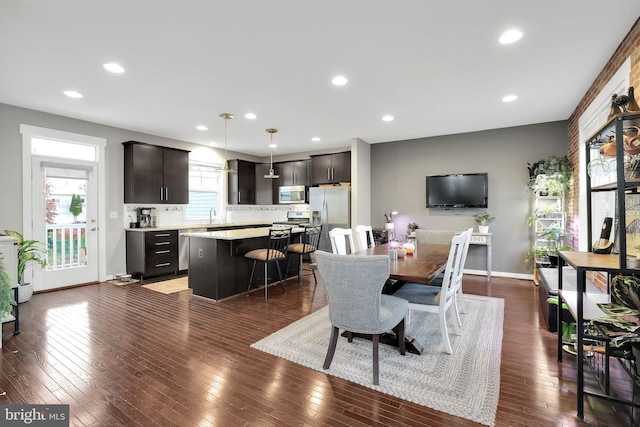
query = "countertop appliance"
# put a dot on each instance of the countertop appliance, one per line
(296, 219)
(146, 217)
(331, 207)
(292, 194)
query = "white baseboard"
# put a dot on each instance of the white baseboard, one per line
(500, 274)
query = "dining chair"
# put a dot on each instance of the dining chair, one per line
(339, 238)
(274, 253)
(356, 303)
(434, 237)
(364, 237)
(439, 299)
(309, 241)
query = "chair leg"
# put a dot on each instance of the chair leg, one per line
(459, 295)
(284, 290)
(266, 280)
(400, 333)
(251, 277)
(456, 309)
(375, 339)
(349, 336)
(300, 271)
(332, 348)
(444, 332)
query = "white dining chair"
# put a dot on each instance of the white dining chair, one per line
(364, 237)
(341, 241)
(434, 237)
(440, 299)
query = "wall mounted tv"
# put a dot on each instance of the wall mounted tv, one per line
(468, 190)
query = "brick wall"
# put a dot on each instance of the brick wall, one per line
(630, 47)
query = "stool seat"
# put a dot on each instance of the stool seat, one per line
(264, 255)
(301, 248)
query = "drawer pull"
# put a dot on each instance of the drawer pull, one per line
(163, 252)
(164, 264)
(162, 243)
(163, 235)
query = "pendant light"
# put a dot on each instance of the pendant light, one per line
(225, 167)
(271, 131)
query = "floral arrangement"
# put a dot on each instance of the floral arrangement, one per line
(387, 217)
(412, 226)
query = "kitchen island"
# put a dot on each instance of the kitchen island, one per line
(217, 266)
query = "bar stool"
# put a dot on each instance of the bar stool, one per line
(275, 252)
(310, 240)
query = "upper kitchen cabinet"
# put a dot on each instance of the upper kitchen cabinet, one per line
(154, 174)
(331, 168)
(242, 183)
(264, 186)
(292, 173)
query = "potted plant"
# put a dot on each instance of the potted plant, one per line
(553, 171)
(555, 237)
(388, 221)
(29, 252)
(483, 219)
(6, 298)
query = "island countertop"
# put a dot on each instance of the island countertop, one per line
(241, 233)
(207, 226)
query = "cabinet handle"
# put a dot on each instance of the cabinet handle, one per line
(328, 174)
(238, 196)
(164, 264)
(163, 252)
(332, 170)
(161, 194)
(163, 243)
(163, 235)
(166, 193)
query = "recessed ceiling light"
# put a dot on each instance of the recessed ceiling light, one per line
(213, 144)
(510, 36)
(201, 127)
(316, 139)
(272, 146)
(387, 118)
(509, 98)
(72, 94)
(339, 80)
(113, 67)
(250, 116)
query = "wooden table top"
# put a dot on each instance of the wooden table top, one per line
(421, 267)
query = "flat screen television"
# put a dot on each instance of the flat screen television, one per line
(469, 190)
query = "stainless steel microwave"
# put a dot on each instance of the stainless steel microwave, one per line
(292, 194)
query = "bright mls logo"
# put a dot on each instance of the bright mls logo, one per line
(34, 415)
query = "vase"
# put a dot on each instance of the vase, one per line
(484, 229)
(25, 291)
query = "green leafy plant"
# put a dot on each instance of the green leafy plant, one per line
(29, 252)
(6, 297)
(387, 216)
(484, 218)
(557, 169)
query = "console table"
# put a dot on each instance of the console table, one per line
(483, 239)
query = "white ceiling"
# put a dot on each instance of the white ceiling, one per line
(436, 66)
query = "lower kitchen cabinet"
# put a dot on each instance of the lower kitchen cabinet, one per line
(152, 252)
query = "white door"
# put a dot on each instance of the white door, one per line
(65, 210)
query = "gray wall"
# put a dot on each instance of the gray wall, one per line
(398, 171)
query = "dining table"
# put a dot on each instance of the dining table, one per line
(422, 266)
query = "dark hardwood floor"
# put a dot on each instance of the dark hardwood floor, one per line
(129, 356)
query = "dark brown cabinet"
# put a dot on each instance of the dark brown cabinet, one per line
(264, 186)
(331, 168)
(154, 174)
(242, 183)
(292, 173)
(151, 253)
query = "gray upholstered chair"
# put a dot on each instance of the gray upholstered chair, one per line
(356, 304)
(274, 253)
(440, 299)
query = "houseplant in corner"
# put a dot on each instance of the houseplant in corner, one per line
(29, 252)
(6, 297)
(483, 219)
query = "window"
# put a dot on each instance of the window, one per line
(205, 186)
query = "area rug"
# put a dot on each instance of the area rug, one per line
(121, 283)
(169, 286)
(465, 384)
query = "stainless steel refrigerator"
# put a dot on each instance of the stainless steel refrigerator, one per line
(331, 207)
